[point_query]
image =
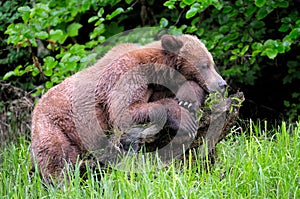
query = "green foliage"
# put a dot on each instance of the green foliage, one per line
(242, 35)
(57, 25)
(9, 56)
(245, 37)
(239, 35)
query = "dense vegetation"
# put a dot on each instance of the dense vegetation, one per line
(255, 43)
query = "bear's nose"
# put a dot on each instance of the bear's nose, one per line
(222, 85)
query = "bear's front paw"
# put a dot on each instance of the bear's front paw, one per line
(190, 106)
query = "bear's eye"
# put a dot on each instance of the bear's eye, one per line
(205, 66)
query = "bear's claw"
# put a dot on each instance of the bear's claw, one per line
(187, 105)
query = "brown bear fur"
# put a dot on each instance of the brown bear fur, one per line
(189, 96)
(76, 116)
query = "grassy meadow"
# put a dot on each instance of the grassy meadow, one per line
(255, 162)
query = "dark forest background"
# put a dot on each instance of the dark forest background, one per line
(255, 45)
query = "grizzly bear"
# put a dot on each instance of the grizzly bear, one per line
(162, 84)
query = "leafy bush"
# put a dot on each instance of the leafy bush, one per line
(10, 56)
(246, 37)
(48, 32)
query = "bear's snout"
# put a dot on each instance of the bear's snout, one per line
(222, 86)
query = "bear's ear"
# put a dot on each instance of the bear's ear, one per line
(171, 44)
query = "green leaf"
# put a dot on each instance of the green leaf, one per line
(72, 29)
(115, 13)
(284, 28)
(49, 84)
(89, 58)
(17, 70)
(239, 3)
(260, 3)
(163, 22)
(281, 48)
(129, 1)
(262, 13)
(226, 9)
(170, 4)
(228, 46)
(200, 31)
(99, 21)
(233, 57)
(295, 33)
(255, 52)
(29, 68)
(257, 24)
(56, 35)
(233, 36)
(94, 18)
(224, 29)
(26, 16)
(35, 72)
(49, 62)
(250, 11)
(188, 2)
(270, 43)
(66, 57)
(54, 79)
(8, 75)
(234, 13)
(48, 73)
(70, 66)
(281, 4)
(218, 5)
(128, 9)
(235, 51)
(244, 50)
(270, 52)
(287, 42)
(77, 49)
(182, 5)
(286, 20)
(246, 38)
(100, 12)
(286, 103)
(74, 58)
(41, 35)
(24, 9)
(191, 29)
(223, 19)
(191, 12)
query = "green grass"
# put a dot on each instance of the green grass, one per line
(258, 163)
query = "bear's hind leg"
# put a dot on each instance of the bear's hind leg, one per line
(51, 149)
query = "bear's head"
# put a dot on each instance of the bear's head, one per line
(194, 61)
